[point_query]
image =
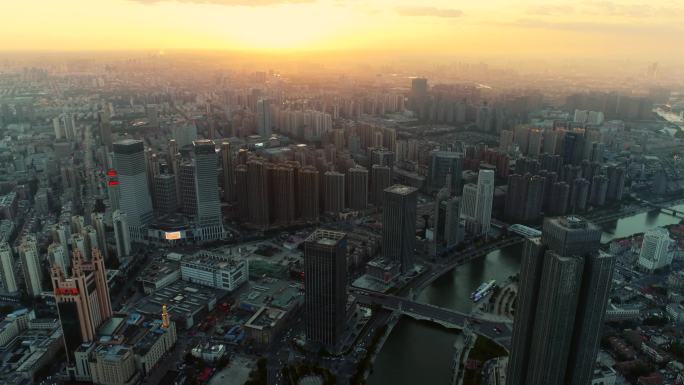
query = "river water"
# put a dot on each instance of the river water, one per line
(420, 353)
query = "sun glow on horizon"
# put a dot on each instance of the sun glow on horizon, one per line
(560, 27)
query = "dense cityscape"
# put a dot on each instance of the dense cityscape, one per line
(206, 218)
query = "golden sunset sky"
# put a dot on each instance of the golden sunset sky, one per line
(475, 27)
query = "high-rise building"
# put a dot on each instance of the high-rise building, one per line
(441, 164)
(559, 199)
(61, 233)
(188, 189)
(599, 189)
(7, 266)
(579, 195)
(165, 199)
(184, 133)
(418, 97)
(357, 188)
(58, 256)
(82, 299)
(616, 183)
(242, 191)
(264, 124)
(283, 193)
(90, 238)
(308, 194)
(122, 236)
(134, 193)
(78, 243)
(77, 224)
(258, 193)
(554, 319)
(399, 225)
(446, 225)
(550, 141)
(477, 203)
(325, 287)
(209, 220)
(30, 262)
(228, 174)
(521, 137)
(113, 193)
(655, 249)
(535, 199)
(573, 147)
(534, 143)
(381, 178)
(97, 220)
(505, 140)
(333, 192)
(525, 197)
(564, 286)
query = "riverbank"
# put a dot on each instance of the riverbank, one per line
(418, 352)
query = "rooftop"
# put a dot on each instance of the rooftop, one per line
(183, 300)
(401, 189)
(265, 317)
(213, 260)
(326, 237)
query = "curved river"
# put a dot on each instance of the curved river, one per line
(420, 353)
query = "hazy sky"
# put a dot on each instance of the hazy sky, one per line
(484, 27)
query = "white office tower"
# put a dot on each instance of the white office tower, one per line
(121, 234)
(655, 249)
(61, 233)
(477, 203)
(134, 192)
(78, 243)
(91, 241)
(264, 124)
(57, 256)
(77, 224)
(9, 281)
(209, 220)
(65, 126)
(28, 251)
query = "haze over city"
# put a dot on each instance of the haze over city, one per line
(318, 192)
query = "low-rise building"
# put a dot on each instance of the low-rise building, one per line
(113, 365)
(32, 347)
(128, 347)
(158, 274)
(186, 302)
(225, 272)
(272, 292)
(265, 325)
(209, 352)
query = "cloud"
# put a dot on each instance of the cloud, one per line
(429, 11)
(548, 9)
(605, 8)
(611, 8)
(244, 3)
(596, 27)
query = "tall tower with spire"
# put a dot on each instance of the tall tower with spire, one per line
(166, 319)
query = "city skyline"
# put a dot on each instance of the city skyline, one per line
(281, 192)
